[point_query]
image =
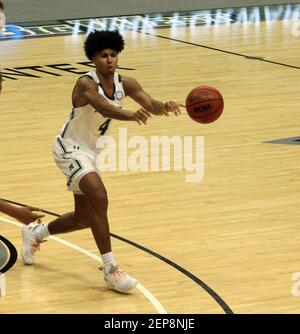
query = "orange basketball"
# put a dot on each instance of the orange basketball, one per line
(204, 104)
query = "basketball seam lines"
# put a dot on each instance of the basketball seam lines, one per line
(201, 101)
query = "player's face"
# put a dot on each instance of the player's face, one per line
(106, 61)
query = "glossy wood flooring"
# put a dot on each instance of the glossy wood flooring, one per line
(237, 230)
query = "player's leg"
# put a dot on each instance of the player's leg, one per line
(79, 219)
(94, 190)
(34, 234)
(92, 186)
(90, 211)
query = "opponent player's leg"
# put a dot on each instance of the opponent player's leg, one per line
(92, 186)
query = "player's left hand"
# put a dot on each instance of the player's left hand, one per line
(172, 106)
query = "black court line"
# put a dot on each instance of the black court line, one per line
(194, 278)
(13, 254)
(221, 50)
(85, 29)
(286, 141)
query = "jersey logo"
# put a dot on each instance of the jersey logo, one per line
(119, 95)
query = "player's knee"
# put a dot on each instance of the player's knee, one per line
(100, 200)
(97, 196)
(85, 221)
(84, 217)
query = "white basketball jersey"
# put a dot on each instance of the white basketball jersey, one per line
(86, 125)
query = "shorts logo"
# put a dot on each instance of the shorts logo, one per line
(71, 167)
(119, 95)
(67, 156)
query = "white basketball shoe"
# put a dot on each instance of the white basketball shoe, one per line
(30, 243)
(118, 280)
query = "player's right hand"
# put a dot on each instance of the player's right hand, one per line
(141, 116)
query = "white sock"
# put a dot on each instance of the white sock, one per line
(41, 232)
(108, 261)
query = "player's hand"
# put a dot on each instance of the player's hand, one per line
(27, 215)
(141, 116)
(173, 107)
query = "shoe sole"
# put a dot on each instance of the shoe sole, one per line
(26, 262)
(120, 290)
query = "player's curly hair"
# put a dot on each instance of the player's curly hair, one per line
(100, 40)
(1, 5)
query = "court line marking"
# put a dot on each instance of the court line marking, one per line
(191, 276)
(219, 50)
(152, 299)
(258, 58)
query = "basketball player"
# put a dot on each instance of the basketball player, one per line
(97, 99)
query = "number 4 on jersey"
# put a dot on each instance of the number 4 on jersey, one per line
(103, 127)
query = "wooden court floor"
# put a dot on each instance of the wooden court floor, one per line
(237, 230)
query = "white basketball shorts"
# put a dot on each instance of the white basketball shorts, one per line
(74, 162)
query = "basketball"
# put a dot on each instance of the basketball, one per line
(204, 104)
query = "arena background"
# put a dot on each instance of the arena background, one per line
(41, 10)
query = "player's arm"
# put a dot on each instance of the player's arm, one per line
(136, 92)
(24, 215)
(87, 91)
